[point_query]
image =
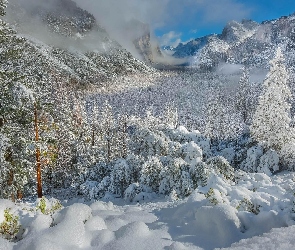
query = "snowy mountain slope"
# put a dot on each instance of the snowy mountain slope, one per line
(246, 43)
(64, 38)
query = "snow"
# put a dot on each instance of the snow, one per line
(279, 238)
(256, 211)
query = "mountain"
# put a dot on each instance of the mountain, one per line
(145, 46)
(190, 48)
(246, 42)
(58, 36)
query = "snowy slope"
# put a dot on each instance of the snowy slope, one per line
(213, 216)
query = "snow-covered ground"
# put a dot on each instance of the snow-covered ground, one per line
(254, 212)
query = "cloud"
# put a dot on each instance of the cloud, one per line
(113, 13)
(166, 14)
(171, 38)
(119, 17)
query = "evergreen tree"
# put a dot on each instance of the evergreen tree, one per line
(271, 121)
(3, 4)
(216, 120)
(242, 103)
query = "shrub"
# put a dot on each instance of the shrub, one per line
(10, 226)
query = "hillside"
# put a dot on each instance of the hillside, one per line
(61, 37)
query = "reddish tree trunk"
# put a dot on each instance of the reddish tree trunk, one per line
(38, 162)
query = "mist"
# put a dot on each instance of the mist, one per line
(24, 16)
(124, 21)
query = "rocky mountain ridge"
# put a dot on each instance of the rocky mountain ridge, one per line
(246, 42)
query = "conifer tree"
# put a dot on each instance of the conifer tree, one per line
(271, 121)
(242, 102)
(216, 116)
(3, 4)
(108, 133)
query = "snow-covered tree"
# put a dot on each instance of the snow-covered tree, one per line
(271, 121)
(150, 173)
(242, 103)
(171, 116)
(107, 132)
(121, 177)
(3, 5)
(216, 123)
(175, 177)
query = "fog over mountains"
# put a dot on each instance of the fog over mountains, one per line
(63, 24)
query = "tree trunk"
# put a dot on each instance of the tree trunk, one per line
(93, 137)
(38, 162)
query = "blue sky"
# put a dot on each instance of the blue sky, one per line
(189, 19)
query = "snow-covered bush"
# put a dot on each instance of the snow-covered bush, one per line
(133, 190)
(135, 163)
(287, 156)
(250, 164)
(229, 154)
(96, 172)
(10, 226)
(191, 152)
(174, 148)
(182, 135)
(89, 189)
(221, 166)
(175, 176)
(247, 205)
(147, 143)
(199, 173)
(150, 173)
(269, 162)
(212, 197)
(48, 206)
(120, 177)
(103, 186)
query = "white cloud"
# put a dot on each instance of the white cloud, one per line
(171, 38)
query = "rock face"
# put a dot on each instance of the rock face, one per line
(148, 51)
(245, 42)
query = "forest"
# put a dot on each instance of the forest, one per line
(199, 150)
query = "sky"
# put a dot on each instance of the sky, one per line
(174, 21)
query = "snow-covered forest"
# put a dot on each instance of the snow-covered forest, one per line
(99, 150)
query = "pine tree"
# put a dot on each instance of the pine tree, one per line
(3, 4)
(216, 123)
(108, 133)
(271, 121)
(242, 102)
